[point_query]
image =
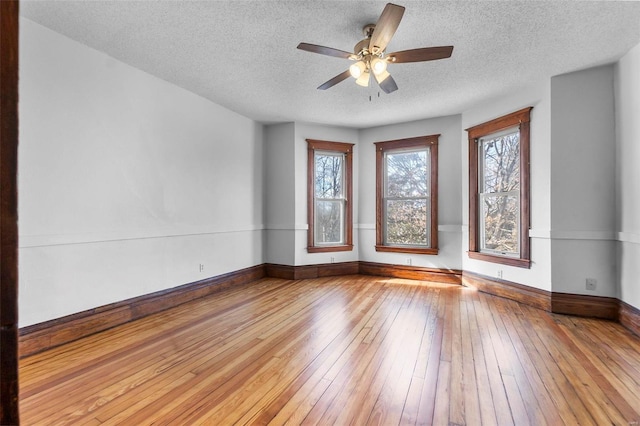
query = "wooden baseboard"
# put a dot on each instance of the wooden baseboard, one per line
(288, 272)
(559, 303)
(629, 316)
(585, 306)
(39, 337)
(449, 276)
(49, 334)
(366, 268)
(531, 296)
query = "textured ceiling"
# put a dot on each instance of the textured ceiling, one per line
(242, 54)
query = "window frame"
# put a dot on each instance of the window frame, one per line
(345, 149)
(519, 119)
(429, 142)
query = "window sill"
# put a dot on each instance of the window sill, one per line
(511, 261)
(327, 249)
(414, 250)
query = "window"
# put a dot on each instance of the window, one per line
(329, 189)
(499, 190)
(407, 195)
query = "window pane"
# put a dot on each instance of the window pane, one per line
(328, 222)
(328, 175)
(501, 163)
(407, 174)
(499, 216)
(407, 222)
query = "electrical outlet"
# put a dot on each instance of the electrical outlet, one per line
(499, 273)
(408, 261)
(201, 267)
(333, 259)
(591, 283)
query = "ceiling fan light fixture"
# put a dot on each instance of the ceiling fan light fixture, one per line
(378, 66)
(363, 80)
(370, 56)
(356, 70)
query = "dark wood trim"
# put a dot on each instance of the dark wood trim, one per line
(401, 249)
(407, 142)
(501, 123)
(525, 199)
(431, 142)
(531, 296)
(474, 229)
(329, 249)
(286, 272)
(347, 150)
(521, 119)
(433, 148)
(302, 272)
(49, 334)
(9, 21)
(310, 195)
(504, 260)
(585, 306)
(629, 317)
(379, 192)
(449, 276)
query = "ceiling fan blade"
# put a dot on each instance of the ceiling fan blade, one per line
(329, 51)
(335, 80)
(388, 84)
(420, 55)
(386, 27)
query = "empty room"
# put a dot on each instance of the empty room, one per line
(320, 212)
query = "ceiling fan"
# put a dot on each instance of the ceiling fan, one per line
(370, 54)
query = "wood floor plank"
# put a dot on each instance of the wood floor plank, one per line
(566, 395)
(613, 382)
(376, 354)
(516, 384)
(294, 404)
(542, 373)
(527, 377)
(341, 350)
(483, 386)
(393, 396)
(411, 409)
(495, 363)
(575, 365)
(471, 400)
(301, 354)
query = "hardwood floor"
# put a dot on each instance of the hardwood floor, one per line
(341, 350)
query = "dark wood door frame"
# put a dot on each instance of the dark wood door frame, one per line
(9, 411)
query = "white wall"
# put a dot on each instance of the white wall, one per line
(627, 106)
(537, 96)
(583, 182)
(127, 183)
(280, 196)
(449, 201)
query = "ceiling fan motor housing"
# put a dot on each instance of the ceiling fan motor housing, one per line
(362, 47)
(368, 29)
